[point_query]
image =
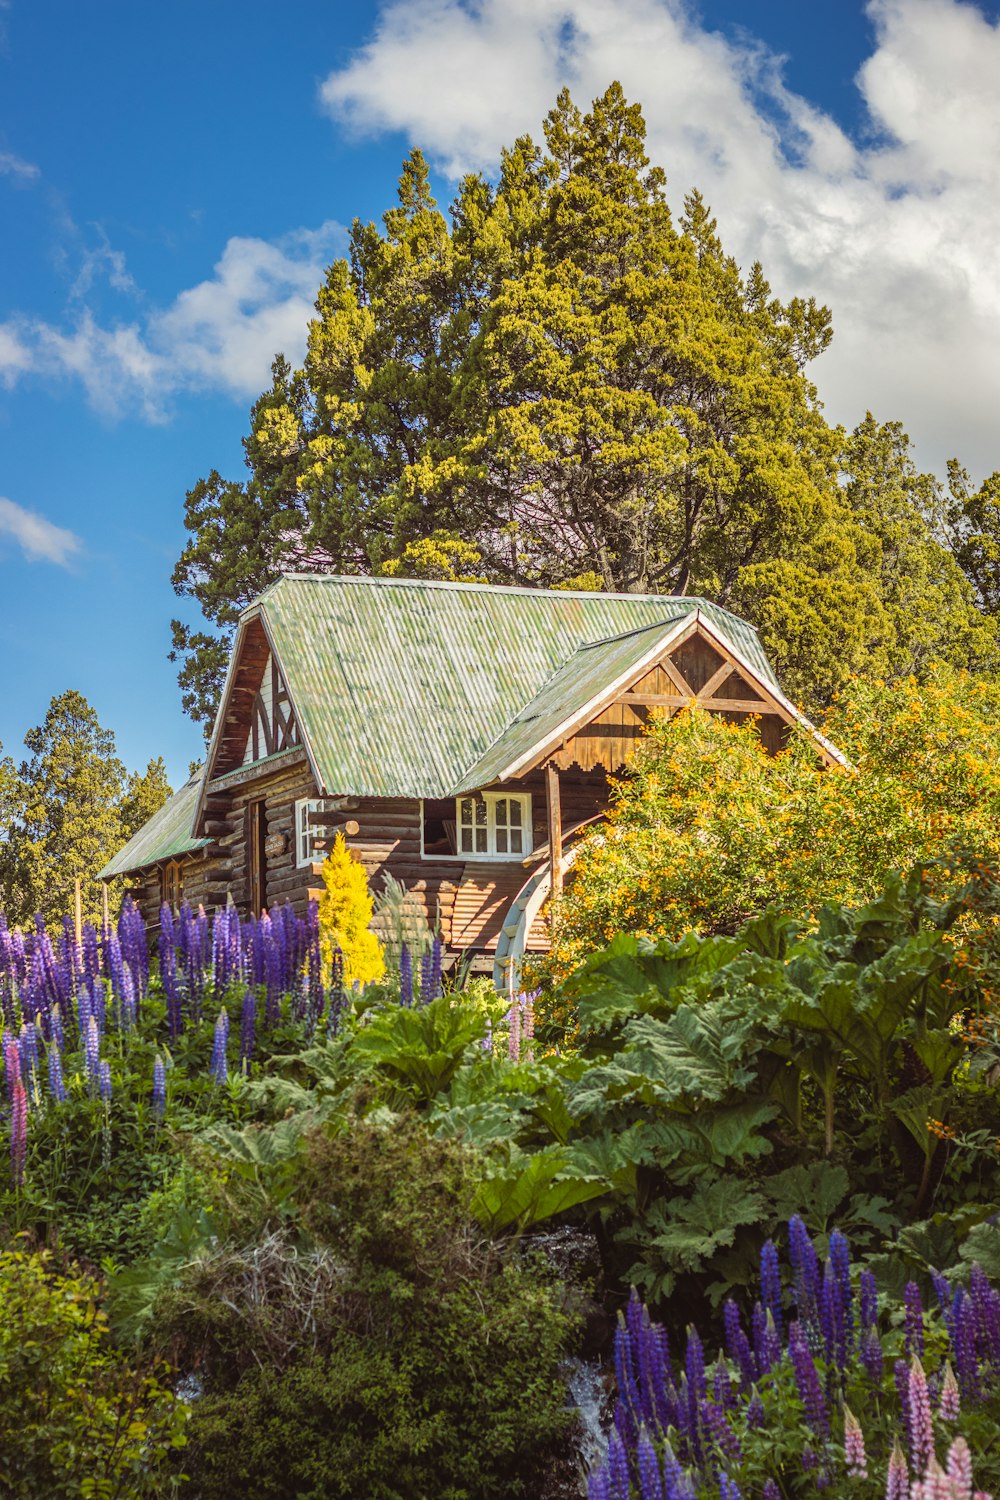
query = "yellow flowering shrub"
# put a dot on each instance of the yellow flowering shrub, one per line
(706, 829)
(345, 911)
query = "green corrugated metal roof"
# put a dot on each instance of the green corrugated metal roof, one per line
(406, 688)
(401, 686)
(592, 667)
(166, 835)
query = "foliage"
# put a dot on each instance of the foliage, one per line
(774, 1415)
(77, 1418)
(67, 810)
(565, 383)
(345, 913)
(399, 1355)
(707, 828)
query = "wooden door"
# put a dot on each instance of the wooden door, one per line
(256, 858)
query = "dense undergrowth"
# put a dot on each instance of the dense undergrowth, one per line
(325, 1209)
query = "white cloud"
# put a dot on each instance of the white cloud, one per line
(12, 165)
(219, 335)
(39, 539)
(896, 231)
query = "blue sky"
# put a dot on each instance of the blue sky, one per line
(173, 180)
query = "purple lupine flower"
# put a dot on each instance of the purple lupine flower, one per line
(829, 1313)
(840, 1260)
(738, 1344)
(57, 1087)
(599, 1485)
(966, 1358)
(805, 1269)
(514, 1032)
(697, 1388)
(91, 953)
(920, 1424)
(770, 1284)
(755, 1410)
(722, 1386)
(758, 1323)
(92, 1051)
(854, 1446)
(770, 1490)
(719, 1432)
(869, 1299)
(128, 1004)
(159, 1086)
(426, 962)
(913, 1322)
(29, 1050)
(807, 1381)
(220, 1041)
(898, 1478)
(871, 1355)
(943, 1292)
(650, 1481)
(488, 1036)
(405, 976)
(617, 1467)
(728, 1488)
(771, 1345)
(437, 953)
(629, 1408)
(104, 1081)
(248, 1018)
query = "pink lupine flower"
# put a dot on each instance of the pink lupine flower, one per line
(950, 1402)
(920, 1428)
(898, 1479)
(960, 1468)
(854, 1446)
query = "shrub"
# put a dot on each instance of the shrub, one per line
(345, 912)
(424, 1362)
(707, 829)
(75, 1417)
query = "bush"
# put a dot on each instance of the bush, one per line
(75, 1418)
(401, 1355)
(707, 829)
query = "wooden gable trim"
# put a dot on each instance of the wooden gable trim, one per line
(770, 702)
(228, 705)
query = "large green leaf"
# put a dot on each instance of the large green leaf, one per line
(693, 1230)
(530, 1190)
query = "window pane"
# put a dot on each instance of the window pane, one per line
(465, 810)
(481, 840)
(501, 806)
(515, 812)
(465, 841)
(480, 807)
(515, 841)
(501, 840)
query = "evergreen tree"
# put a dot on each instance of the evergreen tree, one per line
(143, 796)
(561, 385)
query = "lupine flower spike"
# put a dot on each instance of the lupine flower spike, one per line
(159, 1087)
(949, 1403)
(854, 1446)
(898, 1479)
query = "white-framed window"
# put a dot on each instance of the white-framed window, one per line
(494, 824)
(305, 833)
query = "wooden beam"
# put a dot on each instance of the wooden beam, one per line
(717, 679)
(715, 705)
(554, 811)
(678, 679)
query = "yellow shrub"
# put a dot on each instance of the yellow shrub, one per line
(345, 910)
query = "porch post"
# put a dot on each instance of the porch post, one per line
(554, 809)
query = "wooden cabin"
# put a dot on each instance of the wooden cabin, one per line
(460, 736)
